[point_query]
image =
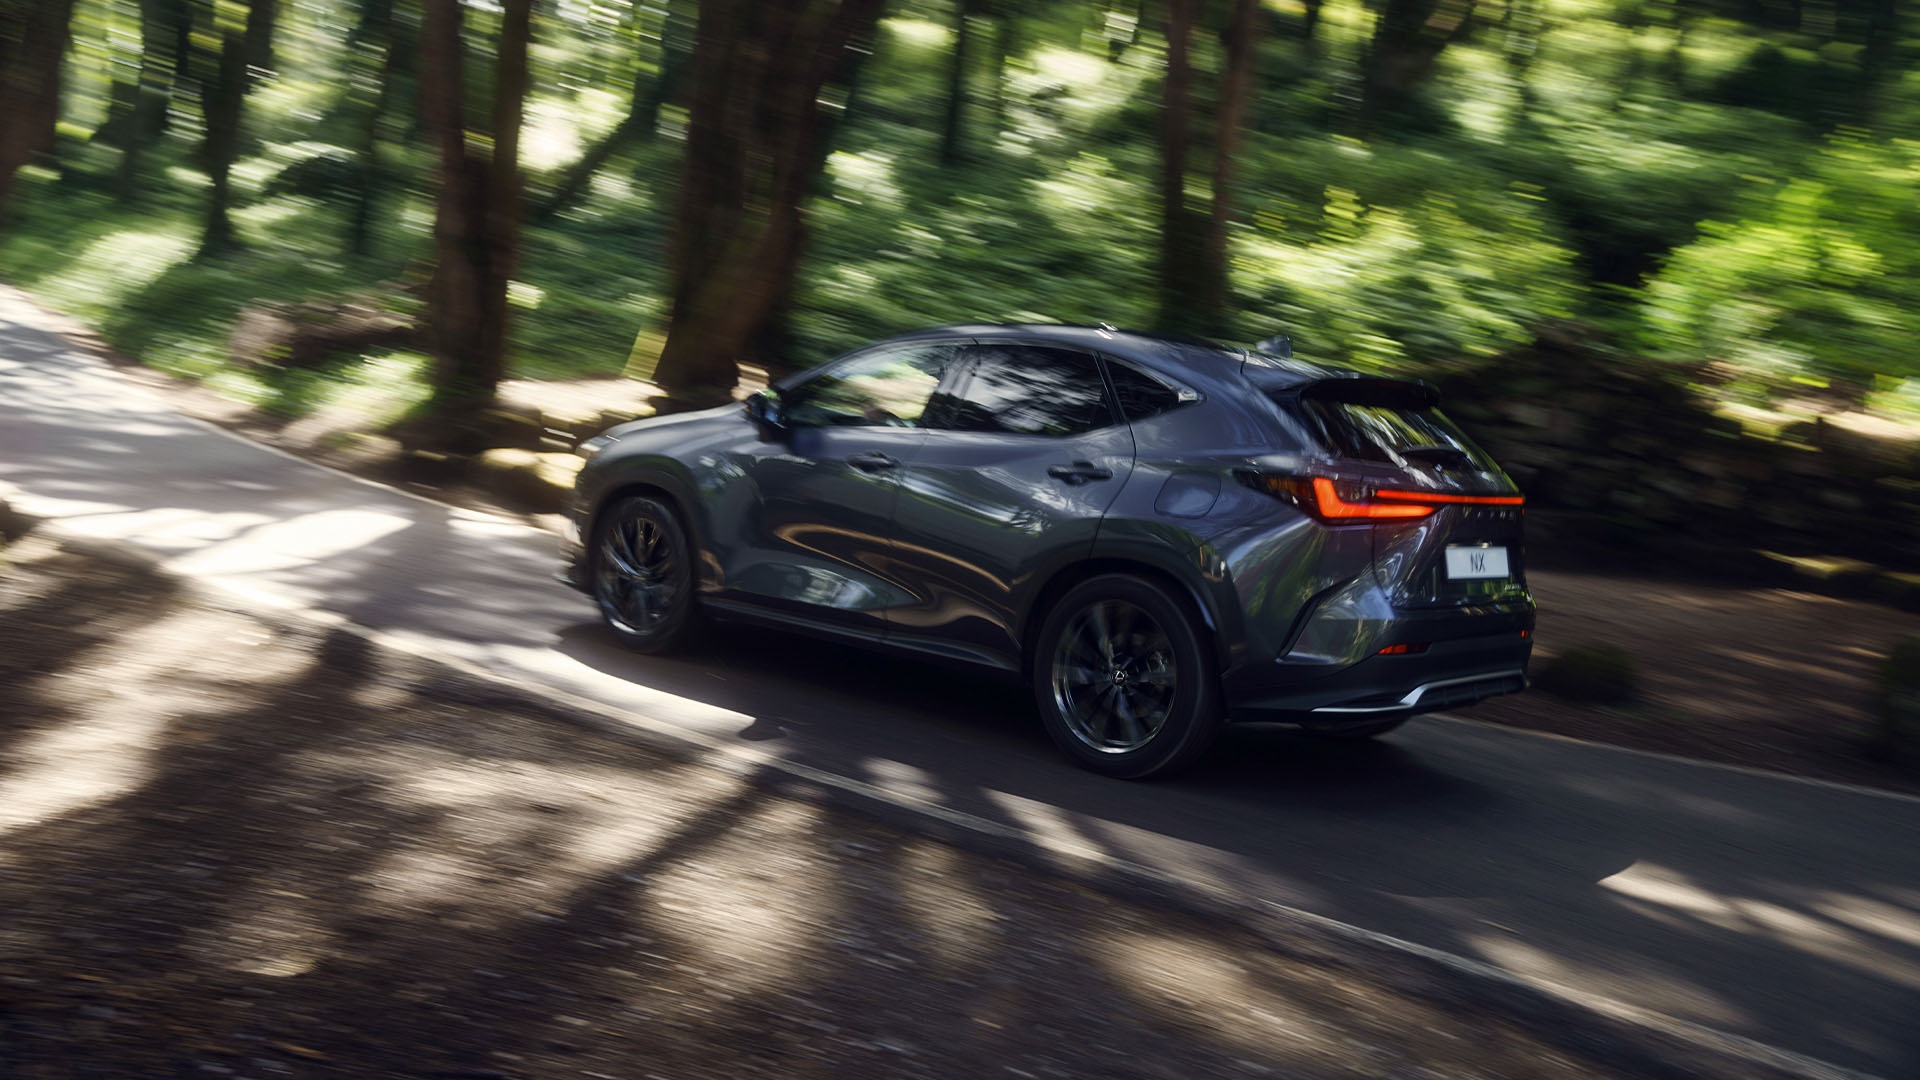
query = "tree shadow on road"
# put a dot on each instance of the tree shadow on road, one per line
(323, 862)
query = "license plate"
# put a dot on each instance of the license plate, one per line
(1468, 563)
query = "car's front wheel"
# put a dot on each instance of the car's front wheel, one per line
(1125, 684)
(642, 573)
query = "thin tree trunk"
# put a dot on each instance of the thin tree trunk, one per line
(33, 44)
(223, 90)
(375, 32)
(1238, 42)
(1310, 25)
(162, 73)
(1003, 40)
(1182, 243)
(752, 154)
(262, 18)
(476, 221)
(121, 100)
(953, 129)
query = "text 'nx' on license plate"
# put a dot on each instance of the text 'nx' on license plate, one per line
(1466, 562)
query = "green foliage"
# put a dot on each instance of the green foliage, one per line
(1397, 255)
(1815, 275)
(1592, 674)
(1659, 169)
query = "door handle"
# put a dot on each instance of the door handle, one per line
(872, 461)
(1079, 472)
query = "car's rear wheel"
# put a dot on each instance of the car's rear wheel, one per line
(641, 568)
(1125, 684)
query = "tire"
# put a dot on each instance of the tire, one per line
(1357, 733)
(640, 574)
(1125, 683)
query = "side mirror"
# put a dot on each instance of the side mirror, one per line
(764, 410)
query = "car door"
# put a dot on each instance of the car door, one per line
(1021, 462)
(813, 534)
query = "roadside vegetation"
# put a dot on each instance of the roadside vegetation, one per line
(1412, 184)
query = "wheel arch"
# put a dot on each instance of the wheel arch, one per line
(1176, 580)
(655, 481)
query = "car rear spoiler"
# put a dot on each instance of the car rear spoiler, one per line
(1366, 390)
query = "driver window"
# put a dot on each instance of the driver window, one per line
(888, 388)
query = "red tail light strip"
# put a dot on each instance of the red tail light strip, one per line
(1333, 507)
(1432, 497)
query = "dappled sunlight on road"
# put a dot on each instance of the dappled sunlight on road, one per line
(292, 543)
(98, 749)
(1670, 897)
(586, 820)
(1206, 986)
(752, 925)
(954, 921)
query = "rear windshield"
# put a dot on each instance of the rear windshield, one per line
(1394, 427)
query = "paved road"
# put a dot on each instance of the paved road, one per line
(1785, 912)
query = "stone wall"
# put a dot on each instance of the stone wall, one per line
(1621, 458)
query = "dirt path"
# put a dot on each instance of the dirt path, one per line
(228, 851)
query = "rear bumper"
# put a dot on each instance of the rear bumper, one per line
(1487, 661)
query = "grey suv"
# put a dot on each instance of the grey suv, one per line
(1160, 535)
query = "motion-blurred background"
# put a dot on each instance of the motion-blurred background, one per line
(1658, 253)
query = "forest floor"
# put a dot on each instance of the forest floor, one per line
(237, 850)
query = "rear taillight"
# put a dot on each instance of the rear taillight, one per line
(1349, 502)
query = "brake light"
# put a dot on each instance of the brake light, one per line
(1350, 502)
(1323, 498)
(1401, 650)
(1334, 508)
(1436, 497)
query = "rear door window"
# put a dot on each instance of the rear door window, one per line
(1141, 395)
(1029, 390)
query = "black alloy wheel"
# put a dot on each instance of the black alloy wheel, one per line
(1124, 682)
(642, 574)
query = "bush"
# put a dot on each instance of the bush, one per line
(1898, 735)
(1595, 674)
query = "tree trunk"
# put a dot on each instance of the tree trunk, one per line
(1195, 293)
(375, 50)
(262, 17)
(1183, 245)
(638, 126)
(753, 151)
(1310, 25)
(162, 71)
(476, 219)
(1003, 42)
(1236, 83)
(771, 349)
(223, 88)
(953, 128)
(1408, 37)
(33, 44)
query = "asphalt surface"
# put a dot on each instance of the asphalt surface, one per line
(1782, 911)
